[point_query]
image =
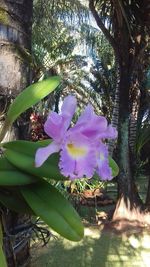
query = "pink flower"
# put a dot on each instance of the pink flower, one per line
(81, 149)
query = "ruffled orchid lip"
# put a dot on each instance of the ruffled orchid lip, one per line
(78, 158)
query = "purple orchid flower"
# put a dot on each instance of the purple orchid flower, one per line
(81, 149)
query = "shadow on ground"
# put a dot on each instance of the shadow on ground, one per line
(99, 248)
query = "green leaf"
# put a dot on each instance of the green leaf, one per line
(143, 137)
(30, 96)
(113, 165)
(15, 202)
(5, 165)
(48, 203)
(2, 256)
(22, 155)
(13, 178)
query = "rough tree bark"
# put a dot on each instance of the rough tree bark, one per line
(15, 43)
(115, 111)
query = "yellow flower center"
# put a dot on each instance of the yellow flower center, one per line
(76, 152)
(101, 157)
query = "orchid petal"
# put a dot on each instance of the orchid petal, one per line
(43, 153)
(54, 126)
(86, 115)
(103, 169)
(76, 168)
(89, 124)
(57, 124)
(111, 133)
(69, 106)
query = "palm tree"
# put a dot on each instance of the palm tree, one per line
(15, 40)
(125, 25)
(54, 40)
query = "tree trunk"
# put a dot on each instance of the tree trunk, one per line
(115, 112)
(15, 42)
(147, 203)
(128, 198)
(124, 181)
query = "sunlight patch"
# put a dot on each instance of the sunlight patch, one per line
(134, 242)
(145, 257)
(146, 241)
(94, 233)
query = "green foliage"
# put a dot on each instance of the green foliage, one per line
(2, 256)
(22, 155)
(53, 35)
(113, 165)
(79, 186)
(59, 29)
(98, 87)
(143, 137)
(17, 170)
(54, 209)
(6, 165)
(13, 200)
(32, 95)
(12, 178)
(27, 98)
(142, 145)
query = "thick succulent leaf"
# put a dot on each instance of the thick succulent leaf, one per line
(2, 256)
(30, 96)
(113, 165)
(15, 202)
(13, 178)
(48, 203)
(5, 165)
(22, 155)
